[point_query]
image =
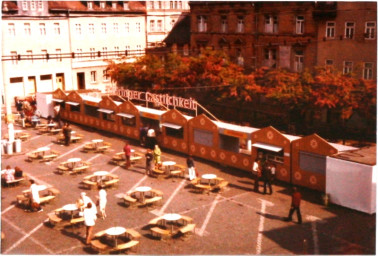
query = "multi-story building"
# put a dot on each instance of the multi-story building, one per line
(290, 35)
(347, 37)
(161, 17)
(67, 44)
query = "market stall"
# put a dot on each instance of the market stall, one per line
(150, 117)
(175, 130)
(273, 146)
(72, 111)
(128, 120)
(309, 160)
(108, 109)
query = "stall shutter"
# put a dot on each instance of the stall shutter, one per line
(203, 137)
(312, 162)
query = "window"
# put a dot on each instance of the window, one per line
(78, 29)
(116, 49)
(139, 49)
(368, 71)
(115, 27)
(171, 4)
(105, 75)
(75, 108)
(40, 6)
(114, 5)
(159, 5)
(172, 23)
(11, 29)
(159, 25)
(14, 57)
(92, 53)
(186, 50)
(79, 53)
(32, 5)
(105, 52)
(24, 5)
(240, 58)
(44, 55)
(348, 67)
(42, 29)
(91, 28)
(299, 25)
(93, 77)
(103, 28)
(102, 4)
(45, 77)
(137, 26)
(270, 54)
(127, 27)
(91, 111)
(27, 29)
(128, 121)
(58, 55)
(152, 25)
(90, 5)
(125, 5)
(174, 132)
(224, 24)
(330, 29)
(349, 30)
(108, 117)
(240, 26)
(370, 30)
(56, 28)
(151, 4)
(329, 62)
(298, 61)
(29, 54)
(271, 24)
(179, 4)
(201, 23)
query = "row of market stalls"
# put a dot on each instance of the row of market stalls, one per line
(301, 161)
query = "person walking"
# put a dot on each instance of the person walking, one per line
(89, 221)
(151, 138)
(191, 168)
(256, 171)
(102, 200)
(157, 155)
(267, 177)
(67, 134)
(149, 162)
(296, 198)
(127, 150)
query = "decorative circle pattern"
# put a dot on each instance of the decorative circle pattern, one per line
(128, 107)
(183, 145)
(222, 155)
(136, 133)
(165, 141)
(202, 121)
(313, 180)
(174, 143)
(192, 148)
(213, 153)
(128, 131)
(203, 151)
(122, 129)
(270, 135)
(174, 116)
(297, 175)
(245, 161)
(234, 159)
(313, 143)
(283, 172)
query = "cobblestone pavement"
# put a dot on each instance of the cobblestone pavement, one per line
(236, 221)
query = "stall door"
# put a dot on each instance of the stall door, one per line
(81, 81)
(30, 86)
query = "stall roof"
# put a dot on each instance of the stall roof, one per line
(125, 115)
(106, 111)
(366, 155)
(187, 117)
(234, 127)
(150, 110)
(117, 103)
(57, 100)
(90, 98)
(291, 137)
(341, 147)
(173, 126)
(73, 103)
(267, 146)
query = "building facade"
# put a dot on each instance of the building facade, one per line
(289, 35)
(67, 44)
(161, 18)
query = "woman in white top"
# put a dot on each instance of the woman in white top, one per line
(35, 201)
(89, 221)
(102, 202)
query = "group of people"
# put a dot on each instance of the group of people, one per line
(153, 159)
(8, 174)
(147, 137)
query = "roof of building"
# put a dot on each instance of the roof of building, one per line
(180, 33)
(365, 155)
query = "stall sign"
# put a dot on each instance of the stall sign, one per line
(235, 134)
(151, 116)
(164, 99)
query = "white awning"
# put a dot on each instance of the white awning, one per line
(267, 147)
(125, 115)
(73, 103)
(57, 100)
(173, 126)
(106, 111)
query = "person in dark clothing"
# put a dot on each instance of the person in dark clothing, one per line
(149, 162)
(143, 135)
(191, 168)
(67, 134)
(295, 205)
(267, 176)
(127, 151)
(19, 107)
